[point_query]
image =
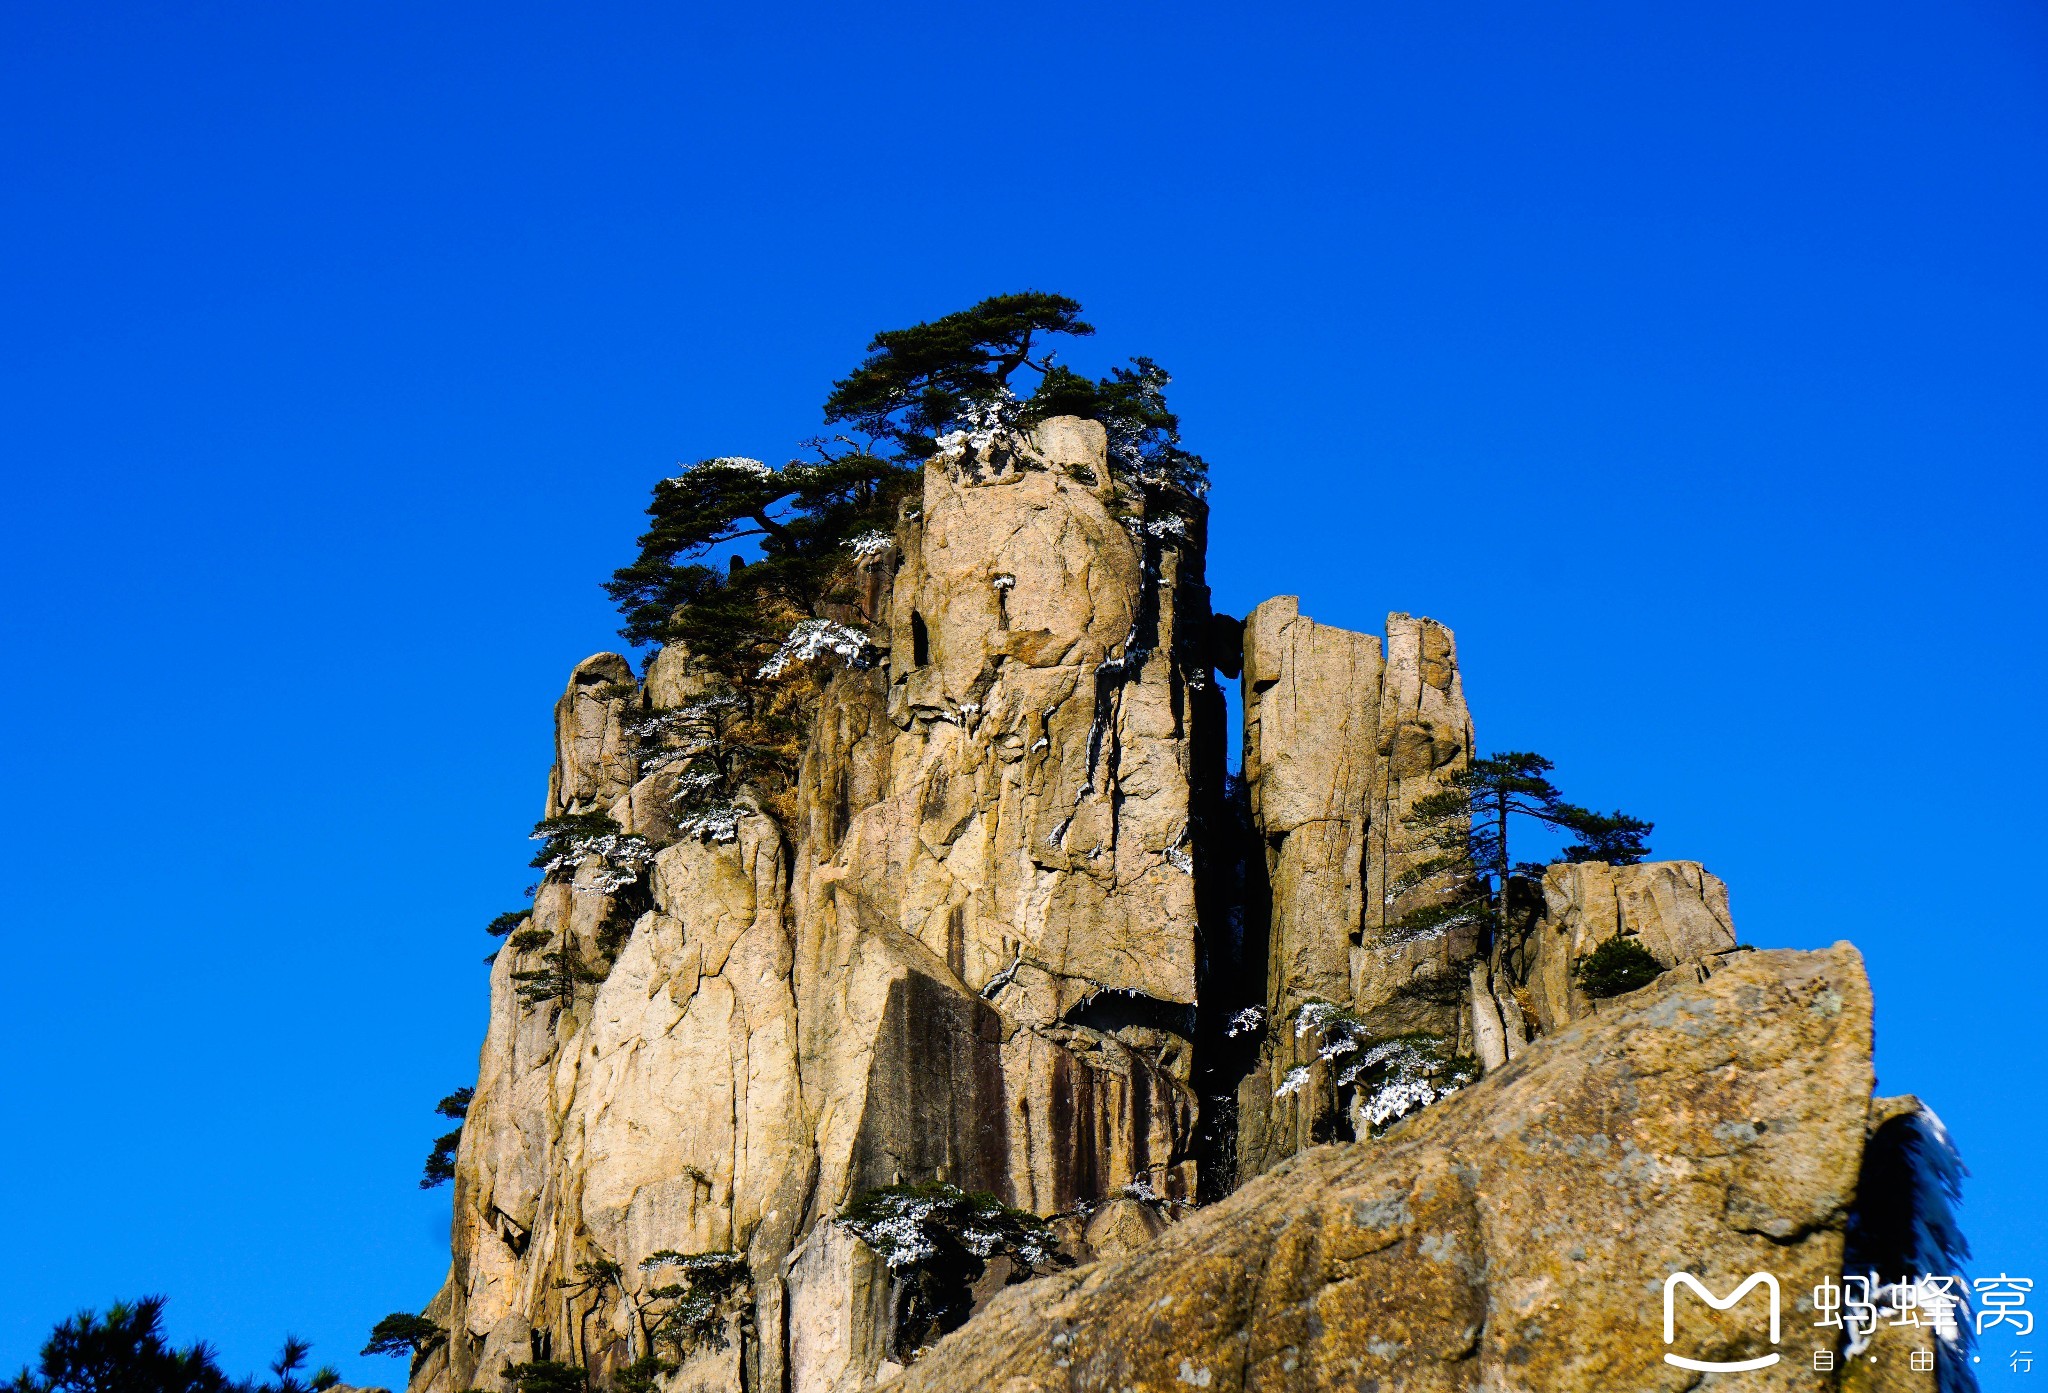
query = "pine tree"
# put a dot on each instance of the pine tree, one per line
(937, 1240)
(803, 518)
(440, 1166)
(691, 1311)
(402, 1333)
(1466, 826)
(919, 382)
(1616, 838)
(505, 923)
(617, 860)
(285, 1369)
(712, 748)
(960, 373)
(563, 975)
(123, 1351)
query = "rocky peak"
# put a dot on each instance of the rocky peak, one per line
(1010, 929)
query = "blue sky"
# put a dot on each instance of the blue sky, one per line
(1688, 361)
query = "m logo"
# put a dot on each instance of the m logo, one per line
(1725, 1366)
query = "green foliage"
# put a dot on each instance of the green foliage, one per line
(938, 1240)
(802, 518)
(508, 921)
(593, 852)
(1144, 433)
(753, 626)
(692, 1311)
(121, 1352)
(712, 747)
(1466, 865)
(570, 842)
(125, 1352)
(1619, 965)
(918, 382)
(959, 372)
(402, 1333)
(643, 1375)
(562, 976)
(284, 1370)
(547, 1376)
(1616, 838)
(440, 1167)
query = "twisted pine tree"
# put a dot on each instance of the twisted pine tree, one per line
(1466, 827)
(402, 1333)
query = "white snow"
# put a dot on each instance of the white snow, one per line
(813, 639)
(1249, 1019)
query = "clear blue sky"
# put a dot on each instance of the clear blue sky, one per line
(1687, 360)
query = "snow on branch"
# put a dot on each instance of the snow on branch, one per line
(982, 423)
(814, 639)
(735, 464)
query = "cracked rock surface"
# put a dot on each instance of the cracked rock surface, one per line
(1514, 1237)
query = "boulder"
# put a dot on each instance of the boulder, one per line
(1514, 1237)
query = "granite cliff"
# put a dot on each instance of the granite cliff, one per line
(1013, 927)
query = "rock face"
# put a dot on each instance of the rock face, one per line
(973, 957)
(1012, 928)
(1675, 909)
(1515, 1237)
(1339, 744)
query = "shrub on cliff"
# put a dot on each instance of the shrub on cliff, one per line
(547, 1376)
(591, 852)
(1377, 1080)
(572, 842)
(692, 1311)
(1619, 965)
(937, 1241)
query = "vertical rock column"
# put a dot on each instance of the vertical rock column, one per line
(1339, 744)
